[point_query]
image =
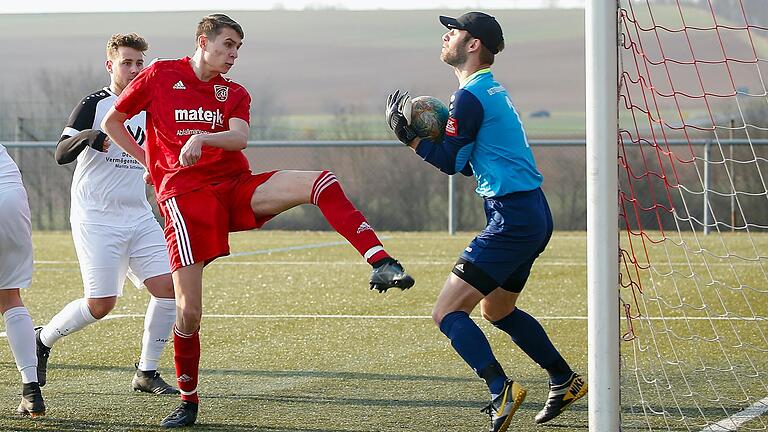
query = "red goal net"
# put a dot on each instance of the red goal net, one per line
(693, 204)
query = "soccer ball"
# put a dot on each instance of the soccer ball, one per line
(429, 116)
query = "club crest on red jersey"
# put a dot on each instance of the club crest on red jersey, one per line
(221, 92)
(452, 127)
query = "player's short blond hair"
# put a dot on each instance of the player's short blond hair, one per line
(130, 40)
(211, 26)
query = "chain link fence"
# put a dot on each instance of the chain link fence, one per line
(396, 190)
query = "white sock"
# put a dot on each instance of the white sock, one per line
(21, 338)
(158, 323)
(75, 316)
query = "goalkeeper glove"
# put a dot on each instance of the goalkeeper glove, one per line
(398, 113)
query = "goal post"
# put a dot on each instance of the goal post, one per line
(602, 215)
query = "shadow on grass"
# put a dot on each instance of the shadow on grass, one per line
(271, 374)
(349, 401)
(21, 424)
(307, 402)
(52, 423)
(566, 427)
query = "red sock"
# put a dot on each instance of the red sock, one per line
(186, 358)
(345, 218)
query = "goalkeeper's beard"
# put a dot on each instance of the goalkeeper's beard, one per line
(454, 57)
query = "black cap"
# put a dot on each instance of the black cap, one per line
(479, 25)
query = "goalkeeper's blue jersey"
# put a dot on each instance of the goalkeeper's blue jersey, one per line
(484, 135)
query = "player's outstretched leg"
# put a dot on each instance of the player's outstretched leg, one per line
(348, 221)
(561, 397)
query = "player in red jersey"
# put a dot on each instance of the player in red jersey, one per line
(197, 127)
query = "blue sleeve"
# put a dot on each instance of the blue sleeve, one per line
(464, 120)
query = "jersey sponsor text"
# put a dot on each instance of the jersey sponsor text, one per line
(215, 118)
(188, 132)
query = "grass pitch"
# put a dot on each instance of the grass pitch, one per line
(293, 340)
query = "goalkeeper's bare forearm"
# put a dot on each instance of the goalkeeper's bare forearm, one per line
(113, 125)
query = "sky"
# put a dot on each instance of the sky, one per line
(56, 6)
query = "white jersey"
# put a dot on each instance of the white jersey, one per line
(9, 172)
(108, 188)
(15, 227)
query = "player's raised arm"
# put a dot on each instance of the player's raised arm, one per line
(69, 147)
(80, 132)
(113, 125)
(235, 139)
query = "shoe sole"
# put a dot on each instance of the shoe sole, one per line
(407, 283)
(31, 414)
(403, 284)
(520, 392)
(175, 426)
(138, 390)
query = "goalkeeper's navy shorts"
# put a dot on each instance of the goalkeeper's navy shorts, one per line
(519, 228)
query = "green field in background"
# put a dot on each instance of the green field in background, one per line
(268, 364)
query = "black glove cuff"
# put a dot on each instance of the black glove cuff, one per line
(399, 125)
(97, 143)
(406, 134)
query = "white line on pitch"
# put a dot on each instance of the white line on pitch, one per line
(733, 422)
(411, 317)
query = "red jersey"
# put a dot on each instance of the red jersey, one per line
(179, 105)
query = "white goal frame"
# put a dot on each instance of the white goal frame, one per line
(601, 18)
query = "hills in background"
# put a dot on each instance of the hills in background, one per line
(305, 63)
(326, 74)
(314, 68)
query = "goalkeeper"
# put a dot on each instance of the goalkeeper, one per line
(484, 136)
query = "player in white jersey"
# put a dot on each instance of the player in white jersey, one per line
(16, 273)
(113, 227)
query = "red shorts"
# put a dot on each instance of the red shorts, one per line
(198, 223)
